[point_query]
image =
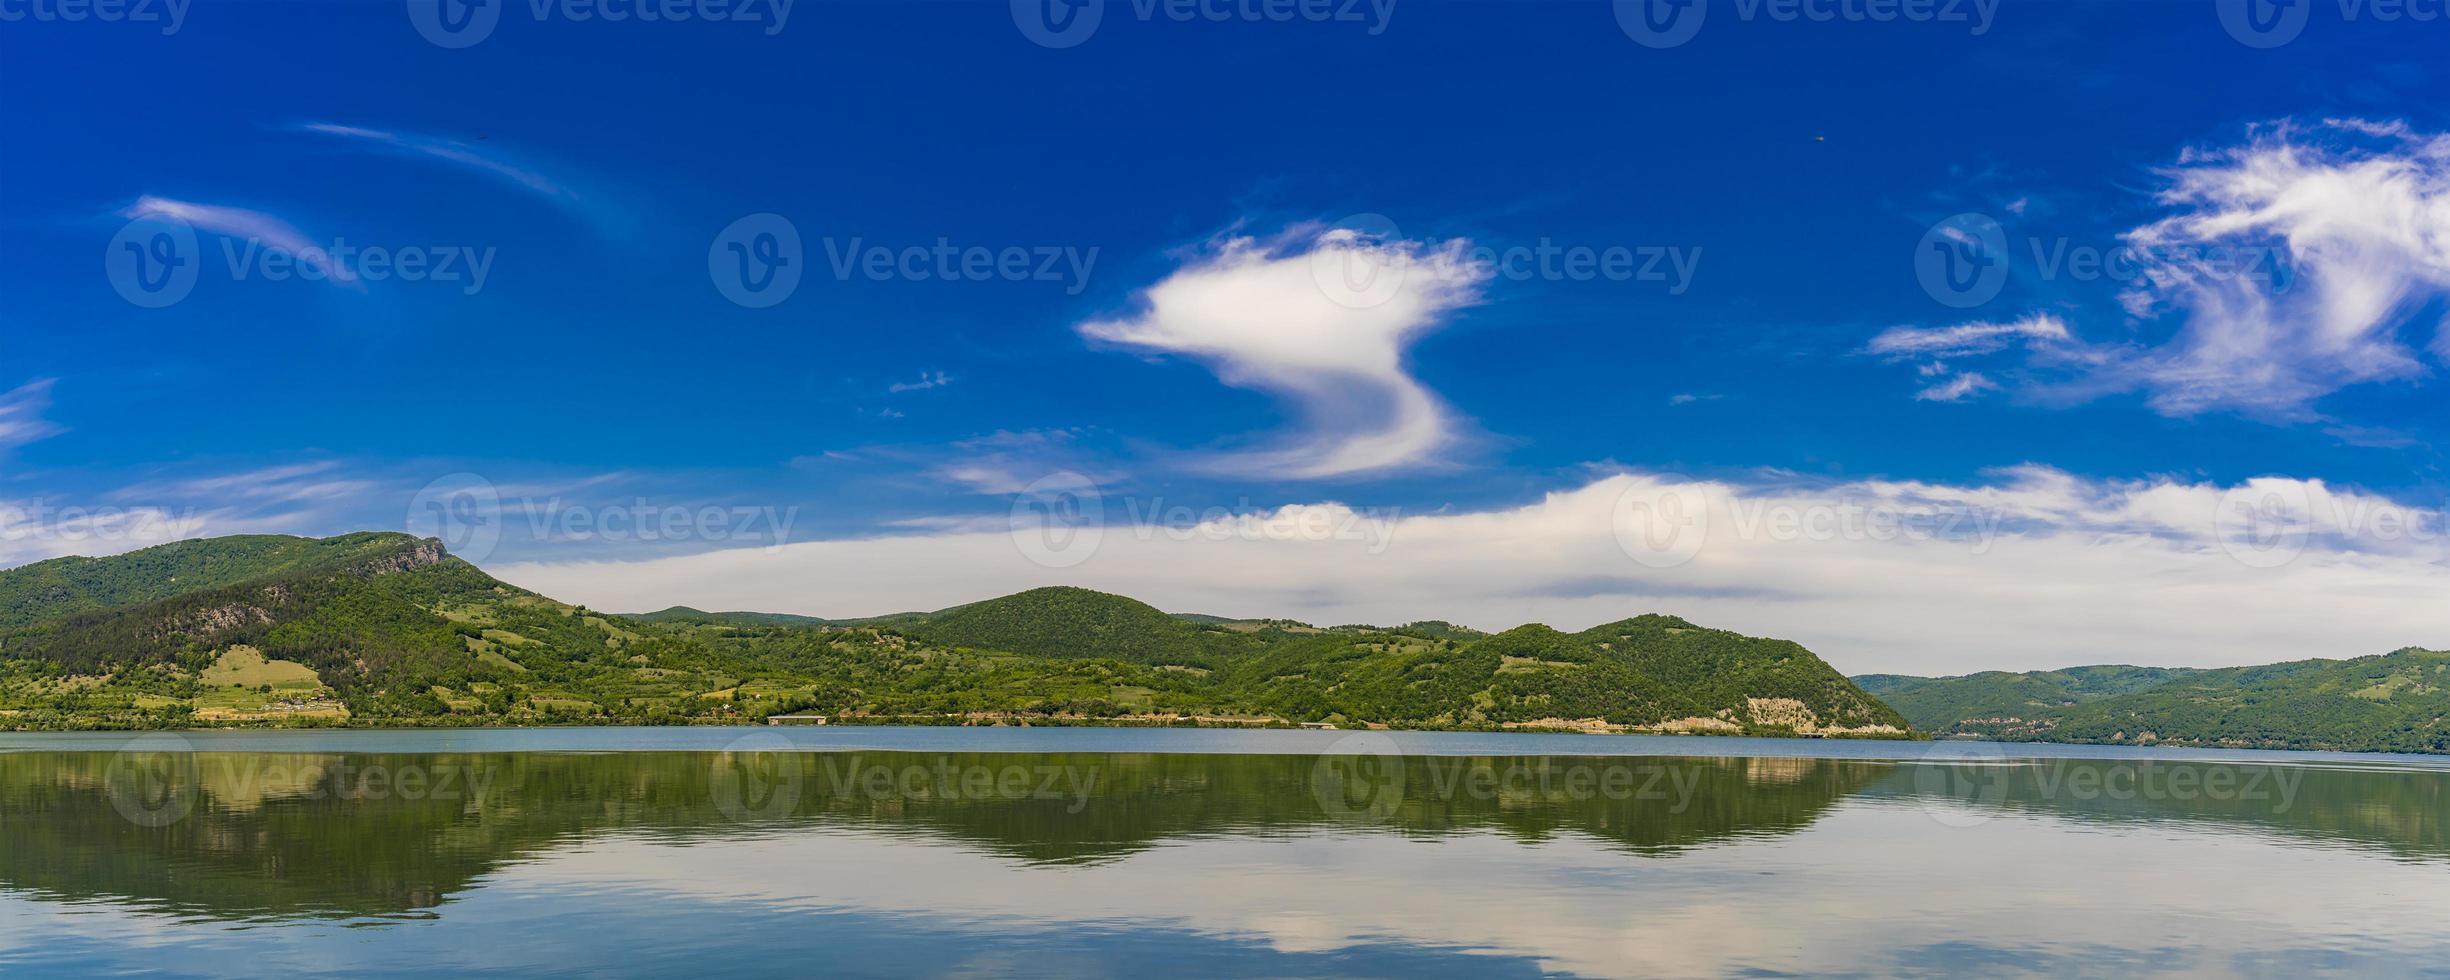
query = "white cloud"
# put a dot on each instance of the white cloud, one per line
(927, 380)
(1007, 462)
(289, 483)
(1321, 320)
(1957, 388)
(253, 226)
(2363, 211)
(2297, 264)
(21, 414)
(35, 529)
(1969, 338)
(488, 161)
(2035, 568)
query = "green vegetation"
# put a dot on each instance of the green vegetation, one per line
(2398, 702)
(386, 629)
(684, 614)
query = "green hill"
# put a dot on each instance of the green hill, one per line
(1061, 621)
(1939, 703)
(685, 614)
(63, 586)
(388, 629)
(2398, 702)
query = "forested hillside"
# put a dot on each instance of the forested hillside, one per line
(389, 629)
(2398, 702)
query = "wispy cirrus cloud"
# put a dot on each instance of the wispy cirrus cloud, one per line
(21, 414)
(1968, 339)
(256, 227)
(488, 161)
(927, 380)
(291, 483)
(2363, 211)
(1321, 319)
(1958, 387)
(2354, 216)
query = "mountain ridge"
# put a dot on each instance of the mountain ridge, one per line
(391, 629)
(2397, 702)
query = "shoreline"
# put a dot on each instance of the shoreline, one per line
(1039, 739)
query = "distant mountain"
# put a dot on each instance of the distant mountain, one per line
(684, 614)
(1061, 621)
(2398, 702)
(1939, 703)
(389, 629)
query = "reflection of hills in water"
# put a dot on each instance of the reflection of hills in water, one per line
(244, 835)
(2401, 811)
(231, 835)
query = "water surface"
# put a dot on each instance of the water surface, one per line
(1070, 852)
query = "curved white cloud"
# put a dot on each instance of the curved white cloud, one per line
(253, 226)
(1324, 325)
(487, 161)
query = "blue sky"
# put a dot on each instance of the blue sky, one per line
(1765, 190)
